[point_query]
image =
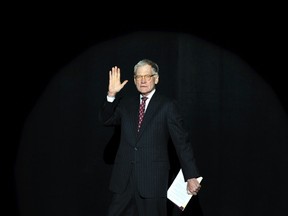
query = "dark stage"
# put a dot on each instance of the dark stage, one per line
(229, 72)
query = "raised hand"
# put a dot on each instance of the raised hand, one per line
(115, 84)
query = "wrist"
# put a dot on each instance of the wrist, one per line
(111, 94)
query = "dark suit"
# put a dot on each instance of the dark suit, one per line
(146, 151)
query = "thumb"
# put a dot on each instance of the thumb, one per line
(124, 83)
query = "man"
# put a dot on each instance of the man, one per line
(140, 174)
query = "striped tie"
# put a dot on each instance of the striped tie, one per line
(141, 112)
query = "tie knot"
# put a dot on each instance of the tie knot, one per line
(144, 98)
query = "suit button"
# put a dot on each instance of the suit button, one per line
(135, 148)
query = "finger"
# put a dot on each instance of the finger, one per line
(113, 69)
(117, 73)
(114, 73)
(192, 192)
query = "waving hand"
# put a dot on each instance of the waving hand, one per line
(115, 84)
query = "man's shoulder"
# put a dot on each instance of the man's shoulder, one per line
(164, 97)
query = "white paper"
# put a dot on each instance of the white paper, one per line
(177, 192)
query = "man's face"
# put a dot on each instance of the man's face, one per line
(145, 80)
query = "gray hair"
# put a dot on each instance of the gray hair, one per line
(143, 62)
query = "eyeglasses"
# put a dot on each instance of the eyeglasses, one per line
(147, 77)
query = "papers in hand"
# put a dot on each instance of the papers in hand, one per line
(177, 192)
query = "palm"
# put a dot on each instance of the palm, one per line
(115, 84)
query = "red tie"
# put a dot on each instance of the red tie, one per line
(141, 111)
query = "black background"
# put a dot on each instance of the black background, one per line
(257, 37)
(54, 37)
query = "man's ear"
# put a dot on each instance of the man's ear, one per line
(157, 80)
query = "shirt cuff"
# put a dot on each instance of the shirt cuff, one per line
(110, 99)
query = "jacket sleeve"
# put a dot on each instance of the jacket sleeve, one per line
(182, 143)
(108, 113)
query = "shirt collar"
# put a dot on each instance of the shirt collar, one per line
(149, 95)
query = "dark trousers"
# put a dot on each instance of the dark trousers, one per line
(130, 203)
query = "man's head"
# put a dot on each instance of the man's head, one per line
(146, 76)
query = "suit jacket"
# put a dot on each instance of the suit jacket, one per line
(146, 151)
